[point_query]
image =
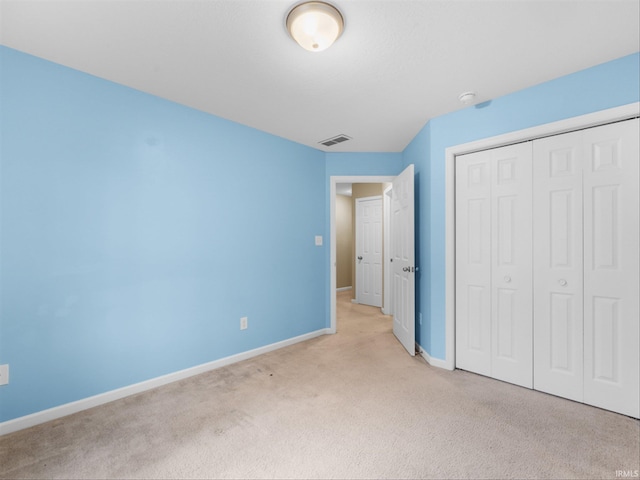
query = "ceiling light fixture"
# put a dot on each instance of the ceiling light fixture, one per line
(467, 97)
(315, 25)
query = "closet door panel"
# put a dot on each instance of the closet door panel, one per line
(511, 270)
(473, 263)
(611, 264)
(557, 247)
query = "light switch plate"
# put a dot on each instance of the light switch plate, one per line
(318, 240)
(4, 374)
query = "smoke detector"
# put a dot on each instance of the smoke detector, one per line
(467, 97)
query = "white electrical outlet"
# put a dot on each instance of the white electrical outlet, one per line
(4, 374)
(244, 323)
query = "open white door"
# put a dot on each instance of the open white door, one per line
(403, 259)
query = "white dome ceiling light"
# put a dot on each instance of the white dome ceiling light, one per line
(315, 25)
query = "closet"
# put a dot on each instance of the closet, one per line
(547, 265)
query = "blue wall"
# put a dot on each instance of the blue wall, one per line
(136, 232)
(605, 86)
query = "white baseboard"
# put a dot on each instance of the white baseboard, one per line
(69, 408)
(434, 362)
(342, 289)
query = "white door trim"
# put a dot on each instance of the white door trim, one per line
(575, 123)
(333, 181)
(387, 298)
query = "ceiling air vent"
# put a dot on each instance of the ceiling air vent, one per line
(333, 140)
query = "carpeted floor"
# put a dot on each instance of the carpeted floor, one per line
(350, 405)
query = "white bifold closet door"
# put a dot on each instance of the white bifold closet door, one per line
(612, 267)
(547, 295)
(494, 263)
(558, 258)
(586, 244)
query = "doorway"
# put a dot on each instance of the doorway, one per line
(403, 252)
(334, 181)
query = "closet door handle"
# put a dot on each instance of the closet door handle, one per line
(507, 279)
(562, 282)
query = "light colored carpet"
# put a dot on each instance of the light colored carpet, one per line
(350, 405)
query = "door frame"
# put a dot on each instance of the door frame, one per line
(333, 181)
(387, 297)
(594, 119)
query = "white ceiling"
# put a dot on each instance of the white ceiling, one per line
(397, 65)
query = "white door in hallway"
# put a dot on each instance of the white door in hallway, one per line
(403, 259)
(369, 251)
(493, 263)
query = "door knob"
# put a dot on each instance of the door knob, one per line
(360, 258)
(507, 279)
(562, 282)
